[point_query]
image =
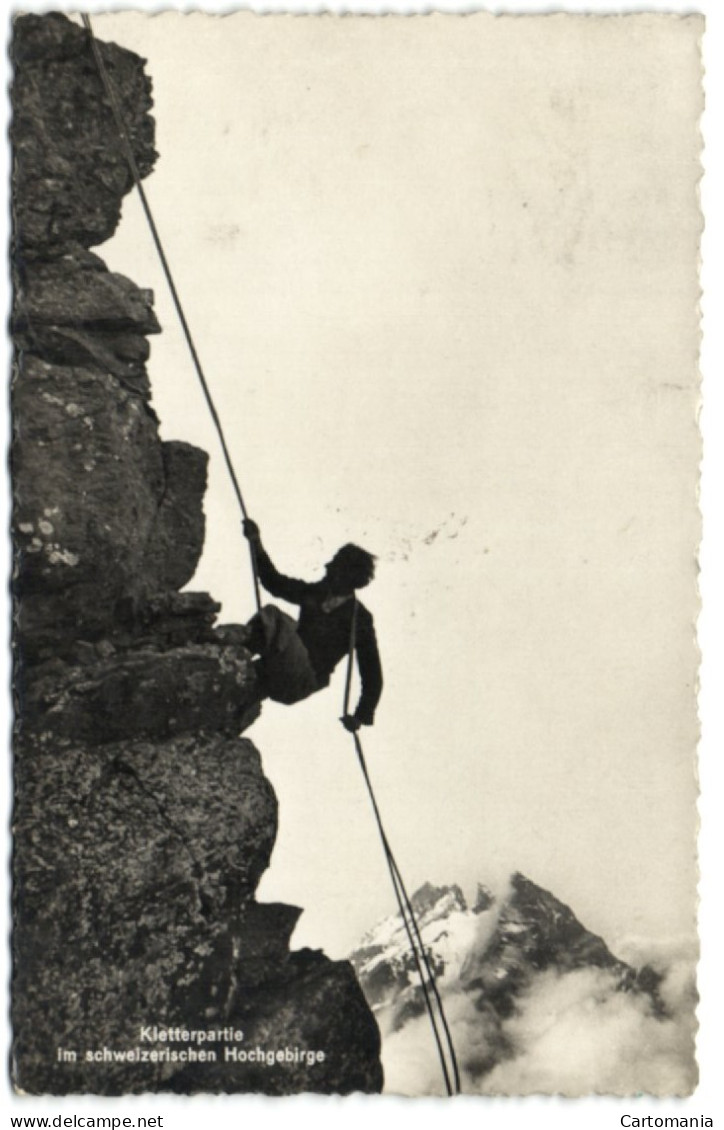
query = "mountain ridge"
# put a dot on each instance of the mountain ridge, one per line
(490, 957)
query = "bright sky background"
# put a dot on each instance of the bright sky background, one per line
(446, 306)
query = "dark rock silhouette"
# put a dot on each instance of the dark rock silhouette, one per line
(142, 821)
(70, 173)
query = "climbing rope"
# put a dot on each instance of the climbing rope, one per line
(433, 1001)
(430, 991)
(130, 158)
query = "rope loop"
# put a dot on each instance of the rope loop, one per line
(433, 1000)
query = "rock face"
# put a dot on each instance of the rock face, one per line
(71, 174)
(142, 821)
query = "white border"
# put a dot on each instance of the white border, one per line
(597, 1112)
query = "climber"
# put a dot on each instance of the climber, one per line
(298, 658)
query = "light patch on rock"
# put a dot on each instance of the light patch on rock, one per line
(58, 556)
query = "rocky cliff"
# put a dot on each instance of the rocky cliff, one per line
(142, 821)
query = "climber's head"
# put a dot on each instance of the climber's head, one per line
(351, 568)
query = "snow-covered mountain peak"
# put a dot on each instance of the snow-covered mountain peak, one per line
(492, 962)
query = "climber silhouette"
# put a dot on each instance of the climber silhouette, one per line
(298, 658)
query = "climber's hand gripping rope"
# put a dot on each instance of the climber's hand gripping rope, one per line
(251, 531)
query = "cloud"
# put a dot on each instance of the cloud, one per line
(577, 1035)
(410, 1058)
(573, 1034)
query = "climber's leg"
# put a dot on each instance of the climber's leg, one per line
(284, 671)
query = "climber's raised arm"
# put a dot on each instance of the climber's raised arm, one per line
(286, 588)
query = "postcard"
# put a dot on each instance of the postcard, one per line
(355, 463)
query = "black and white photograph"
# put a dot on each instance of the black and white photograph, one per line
(355, 455)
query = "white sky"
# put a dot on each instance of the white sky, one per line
(450, 292)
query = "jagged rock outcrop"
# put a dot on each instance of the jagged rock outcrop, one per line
(142, 821)
(70, 173)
